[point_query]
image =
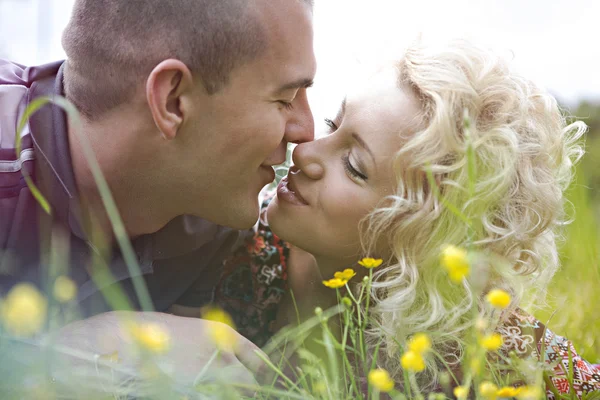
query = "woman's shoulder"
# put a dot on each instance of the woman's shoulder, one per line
(528, 338)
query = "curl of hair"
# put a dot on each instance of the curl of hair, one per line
(524, 158)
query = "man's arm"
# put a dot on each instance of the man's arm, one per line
(190, 345)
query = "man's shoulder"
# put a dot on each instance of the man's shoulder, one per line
(14, 90)
(13, 73)
(18, 208)
(16, 83)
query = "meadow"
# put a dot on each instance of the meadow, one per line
(574, 295)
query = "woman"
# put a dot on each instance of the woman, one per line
(363, 190)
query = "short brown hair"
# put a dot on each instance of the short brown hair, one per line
(113, 45)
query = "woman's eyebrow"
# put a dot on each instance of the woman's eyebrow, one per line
(364, 145)
(361, 142)
(341, 111)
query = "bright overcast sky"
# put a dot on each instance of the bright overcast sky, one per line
(554, 42)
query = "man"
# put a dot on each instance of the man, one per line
(187, 106)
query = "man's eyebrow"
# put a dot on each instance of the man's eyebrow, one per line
(304, 83)
(364, 145)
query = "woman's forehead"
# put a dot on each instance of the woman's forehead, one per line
(384, 79)
(382, 103)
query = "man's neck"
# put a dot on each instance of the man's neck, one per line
(136, 194)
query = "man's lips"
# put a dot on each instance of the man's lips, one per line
(288, 192)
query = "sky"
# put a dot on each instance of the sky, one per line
(554, 42)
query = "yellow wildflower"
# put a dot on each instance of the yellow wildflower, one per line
(335, 283)
(151, 336)
(380, 379)
(419, 343)
(64, 289)
(345, 275)
(488, 390)
(23, 311)
(498, 298)
(492, 342)
(369, 262)
(412, 361)
(461, 392)
(222, 334)
(508, 391)
(454, 260)
(530, 393)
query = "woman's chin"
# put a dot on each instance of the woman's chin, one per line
(300, 231)
(285, 226)
(276, 221)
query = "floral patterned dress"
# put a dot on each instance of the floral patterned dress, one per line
(528, 338)
(254, 280)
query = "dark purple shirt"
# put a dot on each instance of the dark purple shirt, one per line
(180, 263)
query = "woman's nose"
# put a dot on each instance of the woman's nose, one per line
(306, 157)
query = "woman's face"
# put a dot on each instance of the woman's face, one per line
(338, 179)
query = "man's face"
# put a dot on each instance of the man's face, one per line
(238, 134)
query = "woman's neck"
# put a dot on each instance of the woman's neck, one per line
(306, 274)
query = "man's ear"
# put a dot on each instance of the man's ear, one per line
(167, 82)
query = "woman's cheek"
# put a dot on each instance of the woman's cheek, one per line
(347, 214)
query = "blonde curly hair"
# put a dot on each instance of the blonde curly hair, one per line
(524, 157)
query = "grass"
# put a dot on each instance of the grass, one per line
(574, 295)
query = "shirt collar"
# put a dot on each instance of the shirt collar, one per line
(49, 133)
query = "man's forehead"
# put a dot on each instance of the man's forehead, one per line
(289, 62)
(289, 70)
(288, 27)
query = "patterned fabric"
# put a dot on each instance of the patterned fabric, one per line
(522, 330)
(254, 280)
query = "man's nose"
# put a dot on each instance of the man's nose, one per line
(300, 127)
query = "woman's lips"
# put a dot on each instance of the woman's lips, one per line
(287, 192)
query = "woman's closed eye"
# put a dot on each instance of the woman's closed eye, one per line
(353, 171)
(332, 125)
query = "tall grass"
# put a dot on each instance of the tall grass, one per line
(574, 294)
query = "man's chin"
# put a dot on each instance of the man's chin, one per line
(245, 219)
